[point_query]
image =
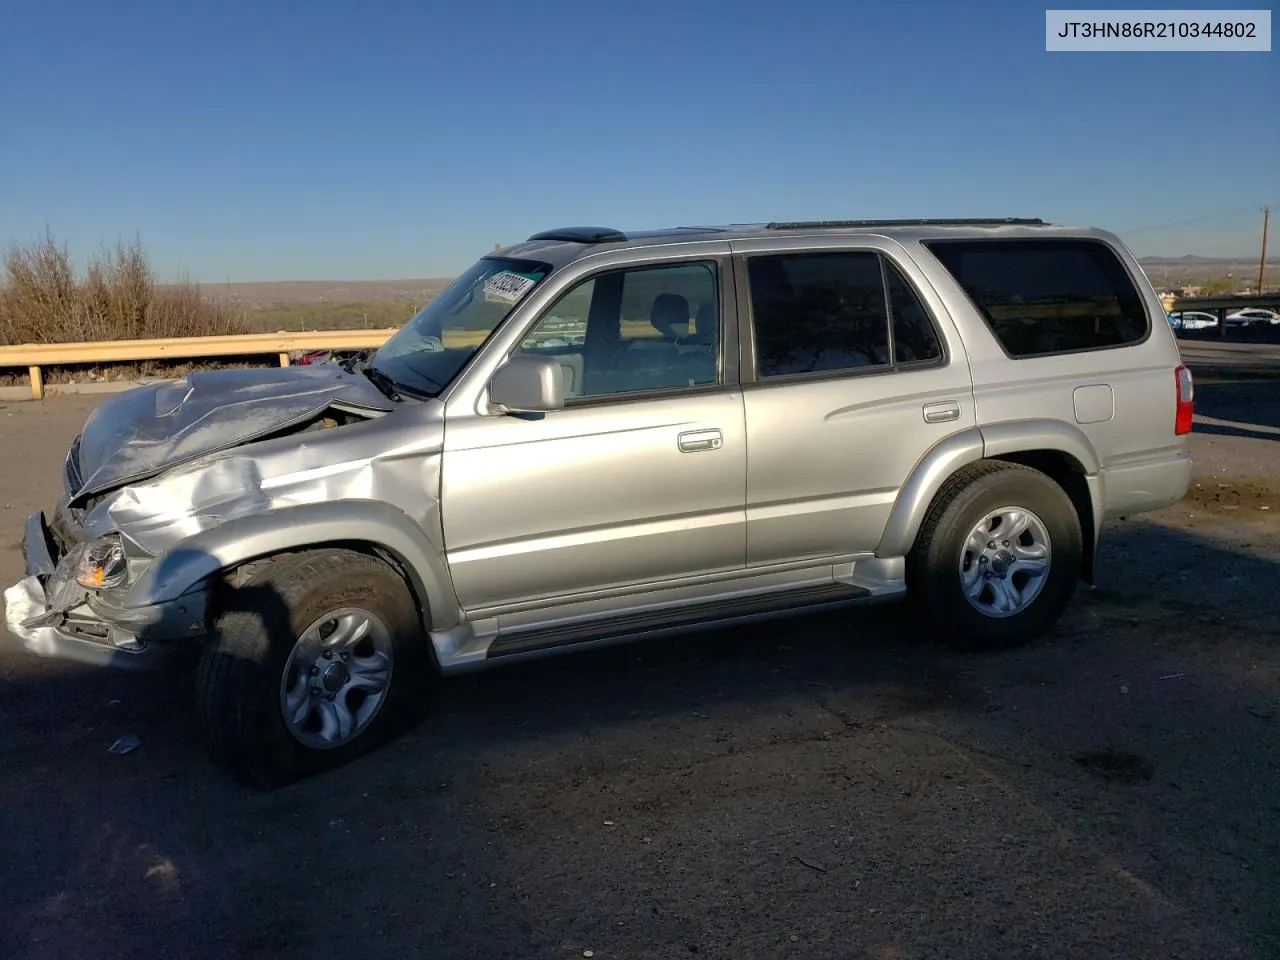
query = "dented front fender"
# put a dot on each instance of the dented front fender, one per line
(196, 559)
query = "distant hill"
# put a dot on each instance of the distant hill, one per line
(1191, 270)
(278, 292)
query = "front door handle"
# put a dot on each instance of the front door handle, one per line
(693, 441)
(941, 412)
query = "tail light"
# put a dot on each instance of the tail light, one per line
(1186, 397)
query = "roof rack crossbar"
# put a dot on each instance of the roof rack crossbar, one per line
(582, 235)
(956, 222)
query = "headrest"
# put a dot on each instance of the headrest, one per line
(668, 310)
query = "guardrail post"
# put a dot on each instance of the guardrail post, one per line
(37, 383)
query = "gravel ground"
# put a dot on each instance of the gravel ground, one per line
(829, 786)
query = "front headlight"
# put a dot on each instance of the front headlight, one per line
(100, 564)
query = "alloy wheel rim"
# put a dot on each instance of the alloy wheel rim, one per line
(336, 678)
(1005, 562)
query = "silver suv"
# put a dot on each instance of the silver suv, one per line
(593, 437)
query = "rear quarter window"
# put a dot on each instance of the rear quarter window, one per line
(1051, 296)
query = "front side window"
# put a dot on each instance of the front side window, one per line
(426, 353)
(1043, 297)
(838, 311)
(634, 330)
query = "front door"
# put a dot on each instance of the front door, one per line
(639, 480)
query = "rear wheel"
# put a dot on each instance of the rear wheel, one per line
(315, 659)
(997, 558)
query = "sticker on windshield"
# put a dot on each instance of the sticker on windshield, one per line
(507, 287)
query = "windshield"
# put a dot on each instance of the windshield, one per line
(441, 338)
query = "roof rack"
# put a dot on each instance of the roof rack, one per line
(582, 235)
(961, 222)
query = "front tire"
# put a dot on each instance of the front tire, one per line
(997, 558)
(315, 658)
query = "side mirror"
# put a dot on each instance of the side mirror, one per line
(528, 385)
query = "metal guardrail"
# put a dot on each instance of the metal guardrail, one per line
(35, 356)
(1268, 301)
(1221, 306)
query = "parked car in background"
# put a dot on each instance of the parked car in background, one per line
(1192, 320)
(1254, 316)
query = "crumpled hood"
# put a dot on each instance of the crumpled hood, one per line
(149, 429)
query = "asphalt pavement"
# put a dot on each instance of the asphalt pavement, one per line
(828, 786)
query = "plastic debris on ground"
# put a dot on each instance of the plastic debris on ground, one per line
(126, 744)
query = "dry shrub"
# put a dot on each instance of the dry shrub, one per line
(43, 301)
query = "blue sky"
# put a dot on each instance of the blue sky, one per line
(271, 140)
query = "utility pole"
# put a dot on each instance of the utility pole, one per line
(1262, 264)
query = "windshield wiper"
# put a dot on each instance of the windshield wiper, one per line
(382, 382)
(360, 356)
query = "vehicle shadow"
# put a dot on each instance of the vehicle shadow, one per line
(1237, 430)
(1255, 333)
(544, 804)
(1237, 407)
(1248, 401)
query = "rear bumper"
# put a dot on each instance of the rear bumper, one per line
(1146, 485)
(91, 631)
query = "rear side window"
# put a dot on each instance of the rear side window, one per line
(914, 338)
(834, 312)
(1048, 296)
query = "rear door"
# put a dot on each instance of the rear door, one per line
(851, 372)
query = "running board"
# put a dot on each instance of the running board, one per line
(709, 614)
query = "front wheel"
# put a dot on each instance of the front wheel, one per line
(997, 558)
(315, 658)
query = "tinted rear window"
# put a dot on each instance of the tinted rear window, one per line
(818, 312)
(833, 312)
(1048, 296)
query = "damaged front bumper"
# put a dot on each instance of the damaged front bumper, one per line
(48, 620)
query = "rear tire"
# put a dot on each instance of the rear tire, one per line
(315, 658)
(997, 558)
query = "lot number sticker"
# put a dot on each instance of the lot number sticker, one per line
(506, 287)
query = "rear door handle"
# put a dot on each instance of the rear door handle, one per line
(941, 412)
(692, 441)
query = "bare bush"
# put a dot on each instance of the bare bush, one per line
(43, 301)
